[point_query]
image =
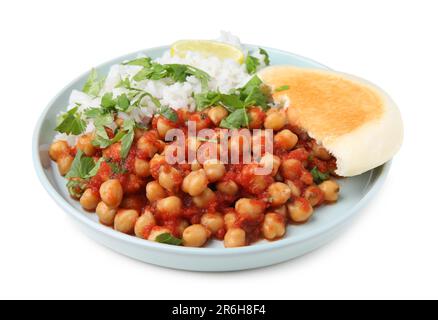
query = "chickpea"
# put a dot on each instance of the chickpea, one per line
(214, 170)
(89, 200)
(275, 120)
(133, 201)
(213, 221)
(64, 164)
(180, 227)
(105, 213)
(58, 149)
(294, 187)
(113, 152)
(132, 184)
(314, 195)
(85, 144)
(163, 126)
(291, 169)
(279, 193)
(146, 220)
(274, 226)
(330, 189)
(229, 187)
(156, 163)
(169, 178)
(271, 161)
(240, 144)
(138, 132)
(156, 231)
(195, 235)
(154, 191)
(300, 210)
(256, 117)
(217, 114)
(195, 165)
(249, 208)
(125, 220)
(321, 152)
(195, 182)
(282, 210)
(230, 219)
(171, 205)
(111, 192)
(146, 147)
(285, 139)
(141, 168)
(235, 237)
(204, 199)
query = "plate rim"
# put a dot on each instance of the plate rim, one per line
(132, 240)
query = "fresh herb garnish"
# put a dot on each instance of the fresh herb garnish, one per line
(71, 122)
(282, 88)
(232, 101)
(319, 176)
(176, 72)
(81, 166)
(95, 169)
(236, 120)
(251, 64)
(128, 138)
(168, 113)
(76, 187)
(266, 59)
(107, 101)
(206, 99)
(167, 238)
(143, 62)
(251, 94)
(93, 84)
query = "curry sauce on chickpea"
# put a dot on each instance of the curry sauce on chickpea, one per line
(120, 171)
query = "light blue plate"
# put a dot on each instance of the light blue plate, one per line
(324, 225)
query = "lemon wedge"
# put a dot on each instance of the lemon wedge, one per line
(207, 48)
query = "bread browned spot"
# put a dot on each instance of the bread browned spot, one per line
(325, 104)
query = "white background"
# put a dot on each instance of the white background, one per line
(391, 249)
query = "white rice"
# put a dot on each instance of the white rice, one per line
(225, 75)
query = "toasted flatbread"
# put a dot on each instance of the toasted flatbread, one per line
(357, 122)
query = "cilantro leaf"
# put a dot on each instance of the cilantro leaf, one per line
(143, 62)
(282, 88)
(236, 120)
(206, 99)
(76, 187)
(126, 143)
(266, 60)
(95, 169)
(232, 101)
(129, 124)
(251, 64)
(71, 122)
(176, 72)
(107, 101)
(124, 83)
(81, 166)
(319, 176)
(93, 112)
(93, 84)
(252, 93)
(123, 102)
(143, 94)
(167, 238)
(168, 113)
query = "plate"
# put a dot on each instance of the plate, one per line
(325, 224)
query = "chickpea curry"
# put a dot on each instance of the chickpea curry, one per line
(118, 167)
